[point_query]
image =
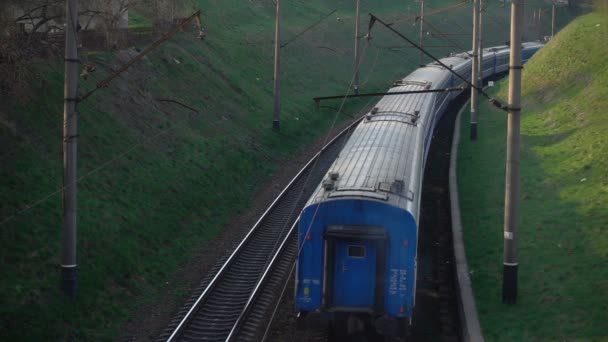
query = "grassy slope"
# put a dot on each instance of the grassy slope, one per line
(178, 175)
(564, 170)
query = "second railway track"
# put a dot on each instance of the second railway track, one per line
(232, 301)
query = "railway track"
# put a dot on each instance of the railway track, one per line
(233, 301)
(436, 315)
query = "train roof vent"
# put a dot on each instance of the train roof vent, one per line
(398, 186)
(404, 117)
(398, 83)
(415, 117)
(328, 184)
(384, 186)
(373, 112)
(418, 83)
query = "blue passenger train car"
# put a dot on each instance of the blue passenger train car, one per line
(358, 232)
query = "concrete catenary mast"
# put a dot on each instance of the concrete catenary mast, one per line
(276, 111)
(480, 51)
(69, 275)
(356, 80)
(474, 71)
(421, 28)
(510, 262)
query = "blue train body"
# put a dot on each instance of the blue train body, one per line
(359, 238)
(358, 232)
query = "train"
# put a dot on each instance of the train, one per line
(358, 232)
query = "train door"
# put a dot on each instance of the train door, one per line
(355, 258)
(354, 274)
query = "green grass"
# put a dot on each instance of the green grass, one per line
(563, 244)
(176, 176)
(137, 19)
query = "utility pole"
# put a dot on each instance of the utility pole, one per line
(421, 28)
(356, 82)
(534, 22)
(276, 112)
(540, 30)
(475, 69)
(552, 20)
(509, 282)
(69, 275)
(480, 53)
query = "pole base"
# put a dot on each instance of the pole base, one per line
(509, 284)
(473, 131)
(276, 125)
(69, 281)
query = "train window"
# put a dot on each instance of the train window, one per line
(356, 251)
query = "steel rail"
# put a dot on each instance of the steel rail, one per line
(216, 280)
(259, 286)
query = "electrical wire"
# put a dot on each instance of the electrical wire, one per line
(297, 35)
(446, 38)
(493, 101)
(339, 110)
(88, 174)
(434, 11)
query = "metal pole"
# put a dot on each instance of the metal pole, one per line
(356, 82)
(474, 70)
(69, 275)
(534, 22)
(480, 53)
(277, 67)
(421, 28)
(552, 20)
(509, 284)
(540, 29)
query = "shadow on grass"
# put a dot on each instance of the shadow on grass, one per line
(562, 280)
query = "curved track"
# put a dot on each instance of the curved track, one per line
(233, 299)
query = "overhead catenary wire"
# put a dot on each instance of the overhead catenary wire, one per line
(493, 101)
(325, 141)
(99, 167)
(104, 83)
(313, 25)
(435, 11)
(462, 30)
(340, 108)
(89, 173)
(37, 202)
(315, 212)
(334, 121)
(43, 199)
(451, 17)
(314, 215)
(307, 180)
(446, 38)
(314, 165)
(409, 92)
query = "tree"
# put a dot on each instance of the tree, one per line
(40, 15)
(17, 46)
(106, 16)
